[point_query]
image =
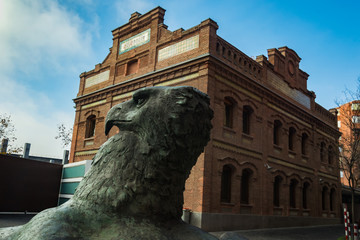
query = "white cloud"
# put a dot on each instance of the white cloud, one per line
(38, 31)
(32, 123)
(38, 37)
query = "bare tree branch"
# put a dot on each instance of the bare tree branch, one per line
(64, 134)
(7, 131)
(349, 149)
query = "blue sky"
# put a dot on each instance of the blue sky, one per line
(46, 44)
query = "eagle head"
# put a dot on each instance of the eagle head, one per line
(126, 115)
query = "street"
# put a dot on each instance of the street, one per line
(332, 232)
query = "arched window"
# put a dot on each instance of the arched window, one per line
(90, 126)
(305, 194)
(247, 112)
(322, 151)
(245, 186)
(332, 199)
(292, 136)
(304, 143)
(229, 112)
(292, 191)
(226, 178)
(277, 131)
(324, 194)
(277, 190)
(330, 155)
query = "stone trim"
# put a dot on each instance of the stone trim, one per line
(236, 149)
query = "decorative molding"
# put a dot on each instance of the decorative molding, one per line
(121, 96)
(236, 149)
(178, 48)
(325, 134)
(93, 104)
(134, 41)
(96, 79)
(291, 165)
(283, 87)
(84, 153)
(178, 80)
(327, 176)
(237, 87)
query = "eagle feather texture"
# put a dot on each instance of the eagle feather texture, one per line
(134, 189)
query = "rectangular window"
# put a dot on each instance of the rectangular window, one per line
(229, 113)
(341, 174)
(355, 106)
(356, 119)
(132, 67)
(356, 132)
(339, 124)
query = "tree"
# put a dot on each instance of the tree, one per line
(349, 142)
(64, 134)
(7, 131)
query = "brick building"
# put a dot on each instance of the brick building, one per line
(268, 162)
(348, 116)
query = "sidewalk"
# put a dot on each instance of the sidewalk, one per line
(11, 220)
(332, 232)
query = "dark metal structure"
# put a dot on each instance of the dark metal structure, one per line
(28, 185)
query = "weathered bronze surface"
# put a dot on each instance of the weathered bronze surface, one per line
(134, 189)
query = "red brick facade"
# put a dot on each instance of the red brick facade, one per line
(348, 116)
(345, 119)
(263, 159)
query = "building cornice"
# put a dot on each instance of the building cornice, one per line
(143, 80)
(256, 86)
(228, 72)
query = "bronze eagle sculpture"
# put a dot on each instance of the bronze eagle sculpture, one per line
(134, 189)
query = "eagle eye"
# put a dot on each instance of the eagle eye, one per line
(140, 102)
(140, 99)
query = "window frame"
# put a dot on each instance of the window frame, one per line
(90, 126)
(246, 115)
(277, 132)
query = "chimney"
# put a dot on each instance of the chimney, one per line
(26, 150)
(4, 145)
(65, 159)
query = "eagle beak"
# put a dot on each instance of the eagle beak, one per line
(109, 120)
(117, 117)
(108, 125)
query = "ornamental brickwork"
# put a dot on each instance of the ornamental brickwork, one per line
(265, 165)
